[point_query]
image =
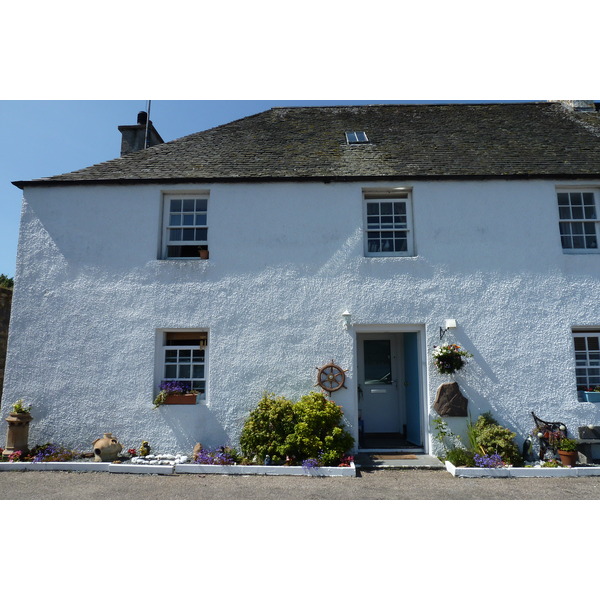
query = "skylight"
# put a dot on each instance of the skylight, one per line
(356, 137)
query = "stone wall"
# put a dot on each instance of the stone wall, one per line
(5, 302)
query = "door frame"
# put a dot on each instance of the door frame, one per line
(419, 329)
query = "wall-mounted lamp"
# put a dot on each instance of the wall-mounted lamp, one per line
(347, 318)
(448, 324)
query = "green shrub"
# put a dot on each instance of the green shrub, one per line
(490, 438)
(460, 457)
(318, 432)
(267, 428)
(310, 428)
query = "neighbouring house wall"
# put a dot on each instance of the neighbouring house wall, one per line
(286, 259)
(5, 302)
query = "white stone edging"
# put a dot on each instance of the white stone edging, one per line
(523, 471)
(180, 469)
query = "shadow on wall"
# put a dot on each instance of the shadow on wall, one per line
(5, 304)
(209, 431)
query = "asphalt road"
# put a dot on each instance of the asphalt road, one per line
(369, 485)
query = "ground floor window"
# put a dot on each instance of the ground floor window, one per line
(185, 358)
(587, 359)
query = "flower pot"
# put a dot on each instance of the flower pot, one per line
(17, 435)
(180, 399)
(591, 396)
(106, 448)
(568, 459)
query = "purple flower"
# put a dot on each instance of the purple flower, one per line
(175, 387)
(488, 461)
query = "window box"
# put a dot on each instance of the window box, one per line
(180, 399)
(591, 396)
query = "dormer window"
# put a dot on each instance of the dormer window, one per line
(356, 137)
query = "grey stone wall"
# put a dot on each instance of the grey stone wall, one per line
(5, 302)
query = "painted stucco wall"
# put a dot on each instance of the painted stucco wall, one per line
(285, 261)
(5, 302)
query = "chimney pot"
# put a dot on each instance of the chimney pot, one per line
(142, 117)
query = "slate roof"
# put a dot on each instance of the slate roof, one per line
(533, 139)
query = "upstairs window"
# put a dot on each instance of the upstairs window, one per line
(356, 137)
(388, 224)
(186, 227)
(578, 220)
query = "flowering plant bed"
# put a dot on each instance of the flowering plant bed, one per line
(529, 471)
(179, 468)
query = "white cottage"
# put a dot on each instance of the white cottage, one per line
(356, 235)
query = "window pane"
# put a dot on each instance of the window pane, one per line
(184, 371)
(588, 199)
(188, 219)
(170, 372)
(188, 205)
(372, 208)
(175, 205)
(188, 235)
(576, 199)
(200, 219)
(377, 362)
(185, 355)
(175, 220)
(175, 235)
(201, 204)
(564, 212)
(198, 371)
(201, 235)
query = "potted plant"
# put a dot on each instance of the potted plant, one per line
(17, 435)
(592, 394)
(567, 450)
(175, 392)
(449, 358)
(203, 252)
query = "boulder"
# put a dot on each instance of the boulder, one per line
(449, 401)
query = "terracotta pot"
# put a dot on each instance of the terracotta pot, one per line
(180, 399)
(203, 254)
(17, 435)
(106, 448)
(568, 459)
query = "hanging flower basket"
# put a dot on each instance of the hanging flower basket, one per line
(449, 358)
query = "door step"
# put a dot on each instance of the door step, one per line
(408, 458)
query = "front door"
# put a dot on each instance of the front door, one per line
(381, 403)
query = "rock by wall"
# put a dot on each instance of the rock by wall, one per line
(5, 302)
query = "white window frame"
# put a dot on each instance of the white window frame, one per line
(169, 225)
(589, 222)
(587, 358)
(166, 355)
(384, 196)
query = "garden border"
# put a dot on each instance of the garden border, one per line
(522, 471)
(181, 469)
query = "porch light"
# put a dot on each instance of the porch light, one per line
(448, 324)
(347, 317)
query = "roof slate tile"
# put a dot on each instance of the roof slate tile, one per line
(405, 141)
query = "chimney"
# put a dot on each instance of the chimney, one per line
(134, 136)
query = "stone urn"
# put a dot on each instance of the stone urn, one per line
(17, 435)
(106, 448)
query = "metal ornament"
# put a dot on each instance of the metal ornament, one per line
(331, 377)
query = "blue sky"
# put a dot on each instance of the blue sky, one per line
(57, 136)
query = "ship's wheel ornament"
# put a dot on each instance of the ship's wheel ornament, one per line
(331, 377)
